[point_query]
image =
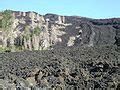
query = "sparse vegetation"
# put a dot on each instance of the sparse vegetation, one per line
(5, 49)
(7, 21)
(6, 24)
(36, 31)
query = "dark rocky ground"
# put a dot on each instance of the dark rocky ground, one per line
(96, 67)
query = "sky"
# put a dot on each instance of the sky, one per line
(86, 8)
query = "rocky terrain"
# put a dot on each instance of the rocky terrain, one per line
(54, 51)
(86, 67)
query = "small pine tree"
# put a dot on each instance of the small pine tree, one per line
(6, 24)
(27, 32)
(37, 31)
(7, 20)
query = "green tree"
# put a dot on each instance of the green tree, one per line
(6, 25)
(27, 33)
(35, 38)
(7, 20)
(37, 31)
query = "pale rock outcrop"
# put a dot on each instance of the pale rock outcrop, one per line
(31, 81)
(61, 19)
(35, 42)
(71, 41)
(1, 17)
(24, 14)
(44, 40)
(38, 17)
(22, 21)
(55, 34)
(32, 15)
(15, 23)
(25, 43)
(44, 36)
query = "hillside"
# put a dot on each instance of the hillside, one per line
(32, 31)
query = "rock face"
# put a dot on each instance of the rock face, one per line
(57, 31)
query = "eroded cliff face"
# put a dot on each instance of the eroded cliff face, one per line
(61, 31)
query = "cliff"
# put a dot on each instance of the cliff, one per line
(61, 31)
